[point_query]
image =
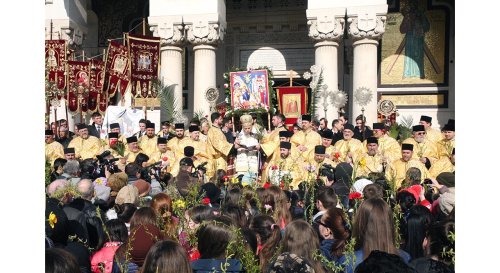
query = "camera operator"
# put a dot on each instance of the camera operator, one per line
(106, 165)
(185, 180)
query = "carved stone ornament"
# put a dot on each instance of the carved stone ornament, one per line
(366, 26)
(201, 32)
(73, 35)
(326, 28)
(169, 33)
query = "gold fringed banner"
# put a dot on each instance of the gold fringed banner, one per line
(78, 85)
(96, 84)
(117, 68)
(55, 61)
(144, 63)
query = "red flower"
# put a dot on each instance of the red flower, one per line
(113, 141)
(274, 167)
(337, 155)
(205, 201)
(355, 195)
(225, 177)
(164, 158)
(267, 185)
(282, 184)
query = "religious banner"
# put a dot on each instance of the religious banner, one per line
(96, 84)
(144, 63)
(78, 85)
(55, 61)
(292, 102)
(249, 89)
(117, 72)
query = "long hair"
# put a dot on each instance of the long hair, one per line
(373, 227)
(418, 223)
(270, 237)
(117, 231)
(162, 205)
(276, 198)
(143, 216)
(334, 219)
(301, 239)
(213, 239)
(125, 211)
(166, 257)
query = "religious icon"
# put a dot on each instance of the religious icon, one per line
(291, 103)
(144, 61)
(82, 78)
(249, 89)
(51, 59)
(119, 63)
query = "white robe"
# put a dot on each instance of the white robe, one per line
(247, 161)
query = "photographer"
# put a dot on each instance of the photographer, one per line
(185, 179)
(106, 165)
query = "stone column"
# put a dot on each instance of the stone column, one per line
(205, 37)
(172, 39)
(328, 31)
(365, 29)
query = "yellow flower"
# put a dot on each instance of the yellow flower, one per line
(234, 180)
(362, 162)
(179, 204)
(52, 219)
(244, 184)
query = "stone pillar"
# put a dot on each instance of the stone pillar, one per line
(205, 37)
(172, 39)
(328, 31)
(365, 29)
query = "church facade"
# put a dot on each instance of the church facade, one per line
(390, 50)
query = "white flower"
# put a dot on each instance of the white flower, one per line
(314, 69)
(312, 85)
(224, 75)
(227, 100)
(226, 85)
(272, 82)
(307, 75)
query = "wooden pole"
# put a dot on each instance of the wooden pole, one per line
(51, 26)
(290, 75)
(144, 26)
(268, 121)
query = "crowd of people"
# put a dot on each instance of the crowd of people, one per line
(214, 199)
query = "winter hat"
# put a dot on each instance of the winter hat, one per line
(360, 184)
(143, 187)
(102, 192)
(128, 194)
(447, 179)
(117, 181)
(447, 201)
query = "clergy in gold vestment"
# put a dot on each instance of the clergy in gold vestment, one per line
(270, 142)
(53, 149)
(371, 161)
(217, 143)
(285, 167)
(133, 149)
(396, 170)
(446, 145)
(86, 146)
(326, 140)
(444, 164)
(306, 139)
(163, 154)
(423, 149)
(201, 153)
(175, 142)
(312, 167)
(148, 143)
(431, 134)
(388, 147)
(111, 142)
(348, 149)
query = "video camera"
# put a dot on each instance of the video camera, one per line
(202, 167)
(328, 171)
(103, 161)
(153, 169)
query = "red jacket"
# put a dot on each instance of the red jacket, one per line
(104, 258)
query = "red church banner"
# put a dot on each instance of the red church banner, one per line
(78, 85)
(55, 60)
(292, 102)
(96, 84)
(117, 70)
(144, 63)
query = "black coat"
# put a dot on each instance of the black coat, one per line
(93, 130)
(358, 134)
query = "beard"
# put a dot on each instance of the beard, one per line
(419, 139)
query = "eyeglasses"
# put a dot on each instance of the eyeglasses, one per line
(421, 133)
